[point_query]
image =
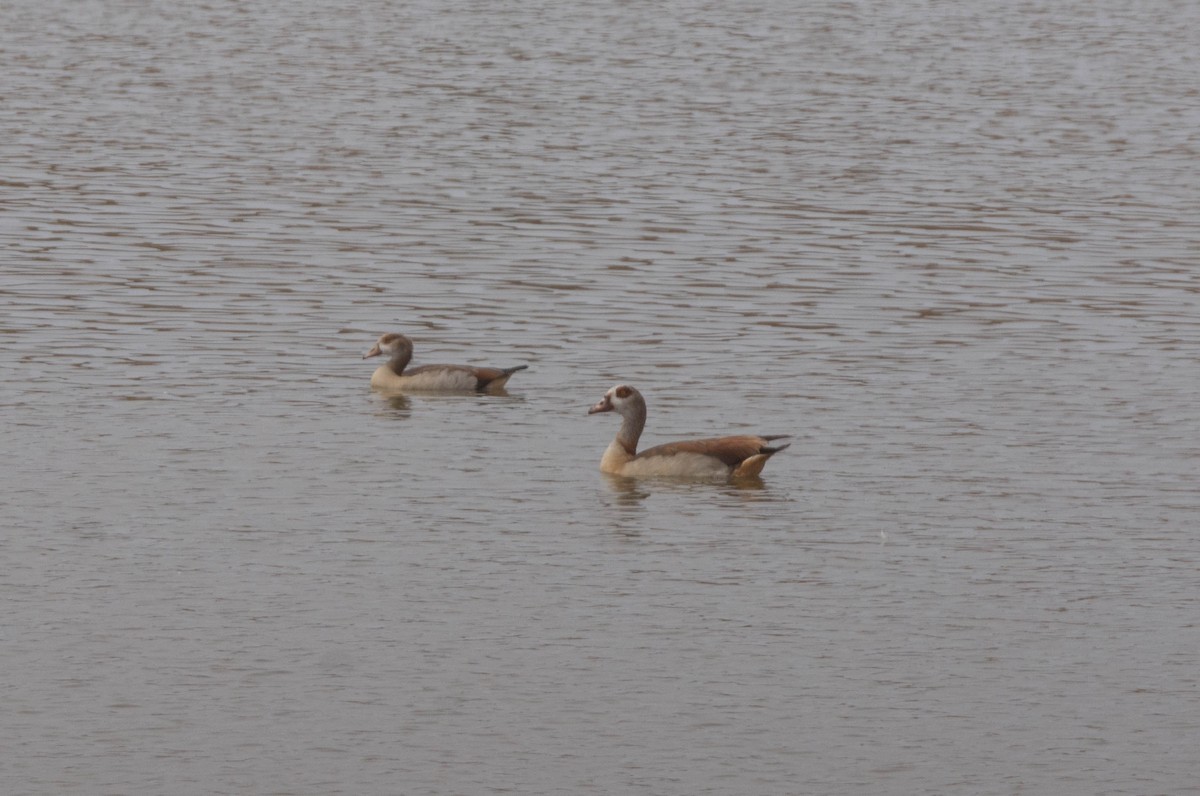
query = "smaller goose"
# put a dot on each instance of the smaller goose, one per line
(719, 457)
(431, 378)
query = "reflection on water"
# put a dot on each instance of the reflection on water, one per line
(628, 491)
(401, 403)
(953, 252)
(633, 490)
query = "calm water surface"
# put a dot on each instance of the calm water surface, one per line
(951, 247)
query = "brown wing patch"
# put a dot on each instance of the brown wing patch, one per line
(731, 451)
(485, 376)
(499, 375)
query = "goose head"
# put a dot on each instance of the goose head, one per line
(389, 344)
(622, 399)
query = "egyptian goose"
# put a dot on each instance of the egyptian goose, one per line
(719, 457)
(431, 378)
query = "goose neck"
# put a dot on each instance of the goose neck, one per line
(400, 359)
(632, 423)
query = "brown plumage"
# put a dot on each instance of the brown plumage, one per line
(719, 457)
(397, 376)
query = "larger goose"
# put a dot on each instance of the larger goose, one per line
(719, 457)
(395, 375)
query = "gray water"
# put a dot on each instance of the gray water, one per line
(951, 247)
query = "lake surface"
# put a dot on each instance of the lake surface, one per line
(952, 248)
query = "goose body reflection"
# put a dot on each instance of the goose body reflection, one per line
(733, 457)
